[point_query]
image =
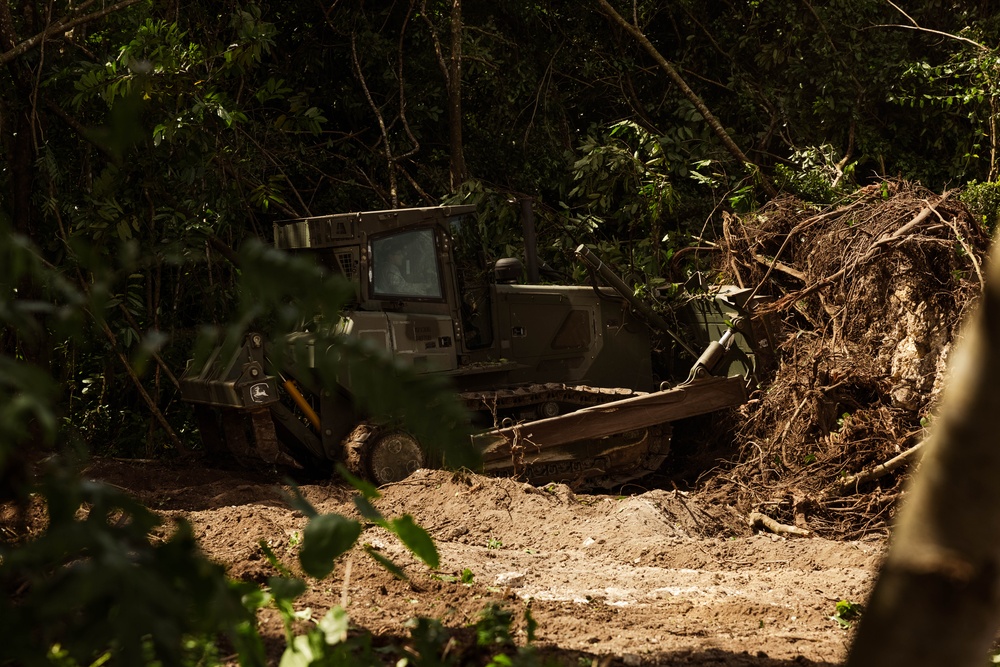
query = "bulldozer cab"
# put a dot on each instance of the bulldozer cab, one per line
(406, 263)
(432, 263)
(408, 294)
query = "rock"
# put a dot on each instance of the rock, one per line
(510, 579)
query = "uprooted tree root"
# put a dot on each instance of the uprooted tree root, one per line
(871, 293)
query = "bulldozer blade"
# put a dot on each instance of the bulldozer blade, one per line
(553, 435)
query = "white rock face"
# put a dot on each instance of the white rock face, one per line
(510, 579)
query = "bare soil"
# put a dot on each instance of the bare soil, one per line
(655, 578)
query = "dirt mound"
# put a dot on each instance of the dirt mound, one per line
(477, 509)
(872, 292)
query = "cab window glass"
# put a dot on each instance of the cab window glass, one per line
(405, 265)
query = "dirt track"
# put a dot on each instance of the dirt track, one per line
(655, 578)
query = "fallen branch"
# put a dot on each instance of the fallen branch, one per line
(150, 403)
(881, 470)
(965, 246)
(780, 266)
(727, 221)
(756, 519)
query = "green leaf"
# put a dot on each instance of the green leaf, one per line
(334, 625)
(256, 598)
(272, 558)
(531, 625)
(846, 612)
(416, 540)
(393, 569)
(366, 488)
(297, 501)
(369, 512)
(286, 588)
(299, 653)
(325, 538)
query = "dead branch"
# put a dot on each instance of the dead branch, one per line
(965, 246)
(727, 221)
(758, 520)
(150, 403)
(881, 470)
(61, 26)
(779, 266)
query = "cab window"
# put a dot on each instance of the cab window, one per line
(405, 265)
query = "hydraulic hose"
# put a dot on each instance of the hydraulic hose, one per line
(301, 401)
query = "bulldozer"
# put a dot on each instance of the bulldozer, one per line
(563, 383)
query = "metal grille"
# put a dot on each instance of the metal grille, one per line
(346, 262)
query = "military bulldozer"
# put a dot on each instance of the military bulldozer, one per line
(559, 380)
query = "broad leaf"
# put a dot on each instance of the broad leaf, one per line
(369, 512)
(325, 538)
(416, 540)
(334, 625)
(296, 500)
(393, 569)
(366, 488)
(286, 588)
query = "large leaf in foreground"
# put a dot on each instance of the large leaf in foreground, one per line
(326, 538)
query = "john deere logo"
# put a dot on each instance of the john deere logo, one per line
(258, 392)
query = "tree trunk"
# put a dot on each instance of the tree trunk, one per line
(22, 155)
(458, 168)
(937, 597)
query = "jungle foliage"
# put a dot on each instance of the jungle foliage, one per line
(149, 145)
